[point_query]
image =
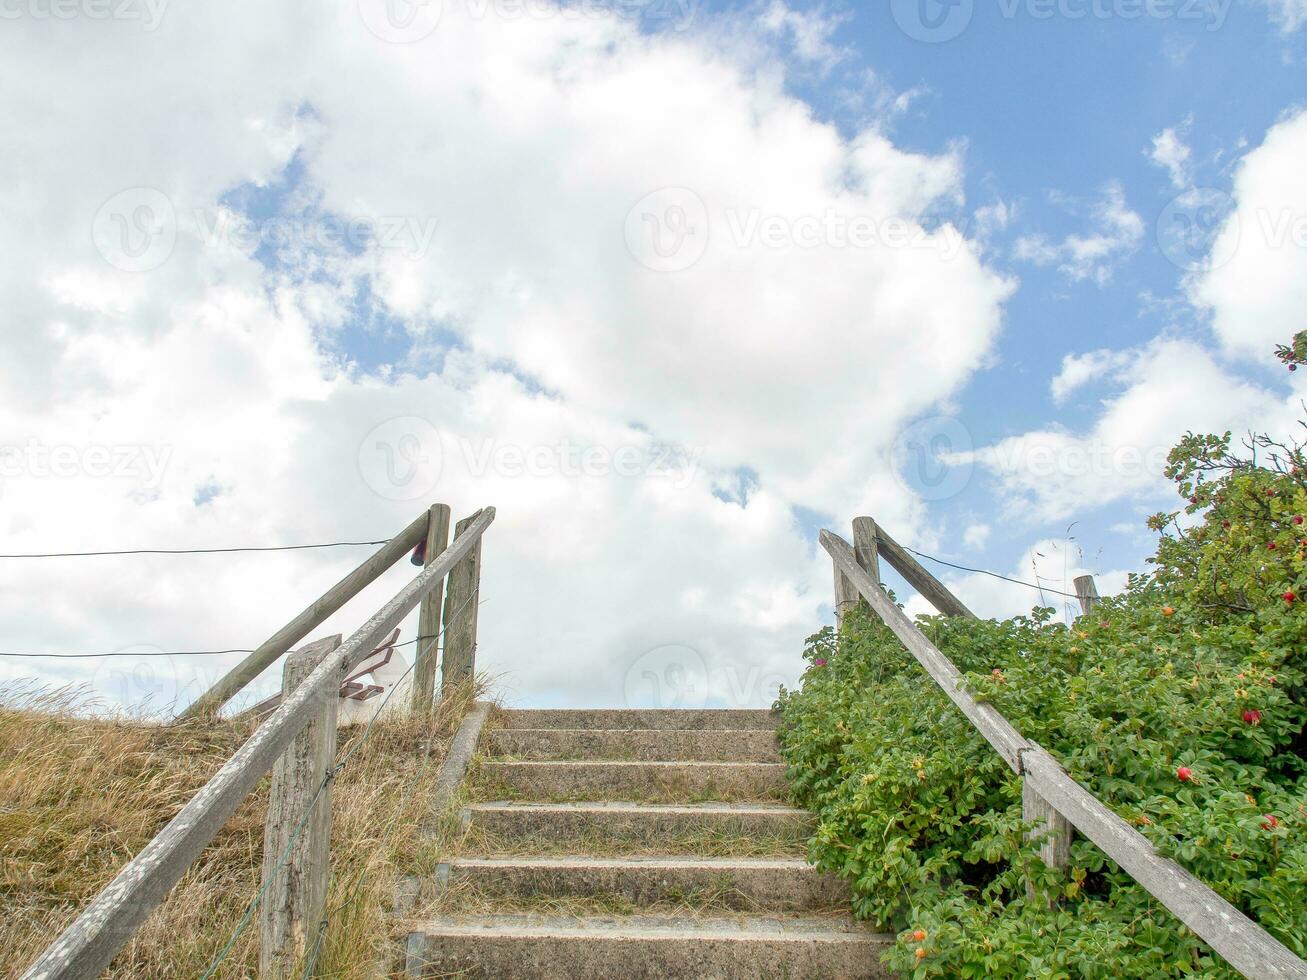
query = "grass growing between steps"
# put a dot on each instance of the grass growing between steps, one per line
(80, 796)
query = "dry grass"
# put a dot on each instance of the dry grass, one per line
(80, 796)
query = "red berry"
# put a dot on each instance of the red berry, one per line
(919, 935)
(1193, 499)
(1184, 774)
(1297, 519)
(1252, 716)
(1271, 822)
(1270, 546)
(1270, 493)
(1226, 525)
(819, 662)
(1293, 367)
(1291, 597)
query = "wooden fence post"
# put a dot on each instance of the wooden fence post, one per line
(1087, 591)
(296, 892)
(1055, 850)
(461, 600)
(865, 547)
(426, 648)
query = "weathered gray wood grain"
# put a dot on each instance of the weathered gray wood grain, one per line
(932, 588)
(295, 893)
(1087, 591)
(427, 649)
(461, 602)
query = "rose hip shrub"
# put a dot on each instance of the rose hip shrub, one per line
(1180, 704)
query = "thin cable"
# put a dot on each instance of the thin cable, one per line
(199, 551)
(985, 571)
(158, 653)
(308, 810)
(128, 653)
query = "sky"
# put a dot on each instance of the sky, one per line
(672, 284)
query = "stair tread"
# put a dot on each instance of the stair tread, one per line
(635, 861)
(637, 763)
(795, 928)
(610, 806)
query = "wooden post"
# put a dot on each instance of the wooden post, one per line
(296, 892)
(426, 655)
(1087, 591)
(462, 596)
(1055, 850)
(865, 548)
(930, 587)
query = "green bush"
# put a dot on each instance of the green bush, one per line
(1180, 704)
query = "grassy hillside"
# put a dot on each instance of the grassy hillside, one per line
(80, 796)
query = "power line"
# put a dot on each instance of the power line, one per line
(198, 551)
(154, 653)
(985, 571)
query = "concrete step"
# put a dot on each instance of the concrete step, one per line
(643, 948)
(664, 781)
(773, 885)
(584, 827)
(650, 745)
(629, 719)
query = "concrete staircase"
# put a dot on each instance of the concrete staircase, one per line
(635, 844)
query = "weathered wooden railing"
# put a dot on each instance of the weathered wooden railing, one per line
(299, 740)
(1051, 798)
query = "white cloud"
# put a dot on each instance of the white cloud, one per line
(1256, 283)
(1170, 152)
(1289, 14)
(528, 141)
(976, 535)
(1080, 369)
(1049, 567)
(1117, 233)
(1167, 388)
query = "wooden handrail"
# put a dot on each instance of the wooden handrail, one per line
(88, 945)
(1243, 943)
(329, 602)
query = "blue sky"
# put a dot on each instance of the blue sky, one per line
(603, 272)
